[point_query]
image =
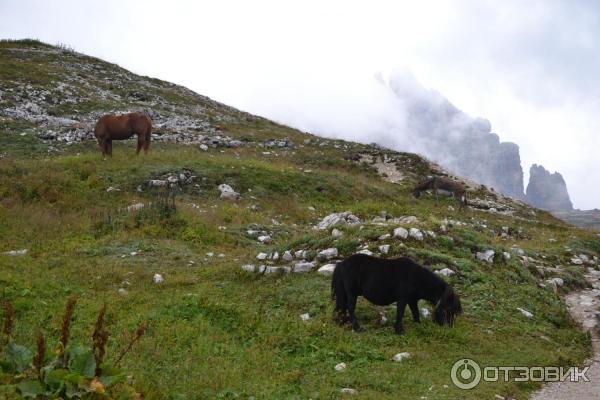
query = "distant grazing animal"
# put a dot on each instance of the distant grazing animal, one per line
(384, 281)
(438, 183)
(119, 127)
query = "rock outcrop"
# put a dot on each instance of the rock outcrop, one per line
(455, 140)
(547, 191)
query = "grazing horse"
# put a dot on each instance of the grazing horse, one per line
(438, 183)
(119, 127)
(384, 281)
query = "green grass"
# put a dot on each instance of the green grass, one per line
(216, 332)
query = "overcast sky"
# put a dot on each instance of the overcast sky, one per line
(531, 67)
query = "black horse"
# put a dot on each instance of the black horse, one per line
(384, 281)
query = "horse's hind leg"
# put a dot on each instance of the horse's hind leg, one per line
(351, 298)
(414, 309)
(109, 147)
(400, 306)
(102, 146)
(140, 144)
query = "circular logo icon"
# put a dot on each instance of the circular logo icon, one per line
(465, 374)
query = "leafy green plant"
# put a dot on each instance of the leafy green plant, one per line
(72, 372)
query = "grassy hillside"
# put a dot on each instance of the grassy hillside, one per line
(216, 331)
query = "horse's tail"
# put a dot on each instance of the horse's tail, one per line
(338, 293)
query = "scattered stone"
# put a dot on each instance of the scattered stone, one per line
(328, 254)
(366, 251)
(203, 147)
(401, 233)
(157, 182)
(301, 254)
(556, 283)
(445, 272)
(264, 239)
(576, 261)
(248, 268)
(487, 256)
(305, 317)
(506, 256)
(275, 256)
(135, 207)
(276, 270)
(123, 292)
(385, 236)
(336, 233)
(415, 234)
(525, 312)
(227, 192)
(431, 234)
(21, 252)
(262, 256)
(349, 391)
(158, 279)
(326, 270)
(287, 256)
(425, 312)
(340, 367)
(302, 266)
(384, 249)
(343, 218)
(112, 189)
(401, 356)
(406, 220)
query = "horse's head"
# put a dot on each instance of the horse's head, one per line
(447, 308)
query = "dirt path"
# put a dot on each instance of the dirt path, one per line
(583, 306)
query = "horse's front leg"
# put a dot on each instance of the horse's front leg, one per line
(109, 147)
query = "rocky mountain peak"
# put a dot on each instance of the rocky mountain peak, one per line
(547, 191)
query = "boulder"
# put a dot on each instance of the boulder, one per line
(227, 192)
(264, 239)
(303, 266)
(343, 218)
(401, 233)
(487, 256)
(287, 256)
(445, 272)
(328, 254)
(415, 234)
(384, 248)
(326, 270)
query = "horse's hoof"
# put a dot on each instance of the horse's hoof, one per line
(358, 329)
(399, 331)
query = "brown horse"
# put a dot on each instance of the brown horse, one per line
(119, 127)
